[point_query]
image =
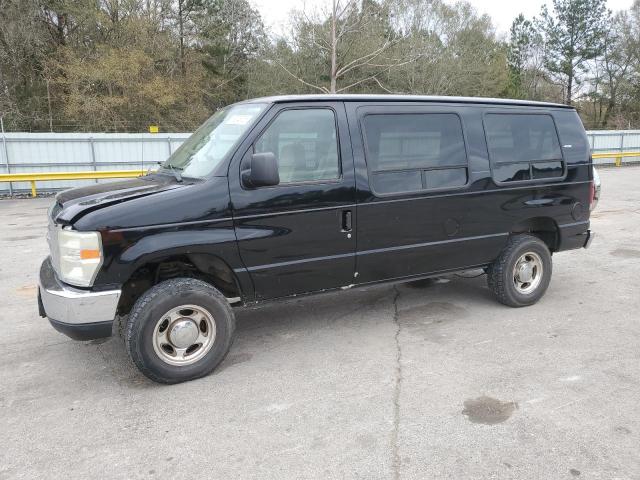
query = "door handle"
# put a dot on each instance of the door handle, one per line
(346, 221)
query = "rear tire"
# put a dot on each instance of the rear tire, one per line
(521, 274)
(179, 330)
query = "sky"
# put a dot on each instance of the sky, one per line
(275, 12)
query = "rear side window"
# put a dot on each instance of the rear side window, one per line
(413, 152)
(523, 147)
(575, 144)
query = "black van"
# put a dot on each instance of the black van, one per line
(294, 195)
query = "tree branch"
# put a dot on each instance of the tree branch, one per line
(322, 89)
(361, 61)
(357, 83)
(382, 86)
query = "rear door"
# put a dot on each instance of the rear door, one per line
(297, 237)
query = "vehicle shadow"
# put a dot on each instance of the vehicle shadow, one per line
(274, 324)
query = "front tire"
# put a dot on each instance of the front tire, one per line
(521, 274)
(179, 330)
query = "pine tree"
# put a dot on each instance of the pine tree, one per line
(573, 34)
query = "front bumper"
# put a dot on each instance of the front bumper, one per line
(79, 314)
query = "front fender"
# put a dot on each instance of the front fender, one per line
(126, 251)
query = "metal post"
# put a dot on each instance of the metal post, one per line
(619, 159)
(6, 153)
(93, 156)
(169, 145)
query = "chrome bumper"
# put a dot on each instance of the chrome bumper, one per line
(80, 314)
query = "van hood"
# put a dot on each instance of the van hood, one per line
(72, 204)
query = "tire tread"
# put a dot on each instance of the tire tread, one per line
(497, 277)
(170, 288)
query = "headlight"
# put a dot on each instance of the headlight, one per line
(79, 256)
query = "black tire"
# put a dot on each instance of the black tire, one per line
(154, 304)
(500, 274)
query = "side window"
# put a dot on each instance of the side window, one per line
(575, 144)
(305, 143)
(523, 147)
(413, 152)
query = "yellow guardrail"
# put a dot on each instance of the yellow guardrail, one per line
(48, 176)
(617, 155)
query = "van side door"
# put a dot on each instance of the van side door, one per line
(422, 170)
(298, 237)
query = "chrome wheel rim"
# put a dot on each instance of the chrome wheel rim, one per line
(184, 335)
(527, 273)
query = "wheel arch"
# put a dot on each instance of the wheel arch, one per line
(207, 267)
(545, 228)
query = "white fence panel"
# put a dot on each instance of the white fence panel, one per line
(614, 141)
(76, 152)
(70, 152)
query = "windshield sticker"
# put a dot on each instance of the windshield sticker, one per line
(238, 119)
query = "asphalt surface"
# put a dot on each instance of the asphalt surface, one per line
(414, 381)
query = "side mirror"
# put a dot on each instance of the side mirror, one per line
(262, 171)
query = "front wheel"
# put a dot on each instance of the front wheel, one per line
(179, 330)
(521, 274)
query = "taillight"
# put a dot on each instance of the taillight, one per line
(592, 195)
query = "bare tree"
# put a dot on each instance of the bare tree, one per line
(357, 40)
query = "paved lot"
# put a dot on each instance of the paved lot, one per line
(418, 381)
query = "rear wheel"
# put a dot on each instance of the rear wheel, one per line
(521, 274)
(179, 330)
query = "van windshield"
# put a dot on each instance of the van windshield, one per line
(210, 143)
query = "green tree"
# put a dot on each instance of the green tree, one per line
(23, 48)
(119, 69)
(523, 58)
(459, 53)
(573, 34)
(230, 35)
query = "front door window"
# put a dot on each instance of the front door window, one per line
(305, 144)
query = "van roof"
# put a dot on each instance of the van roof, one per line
(402, 98)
